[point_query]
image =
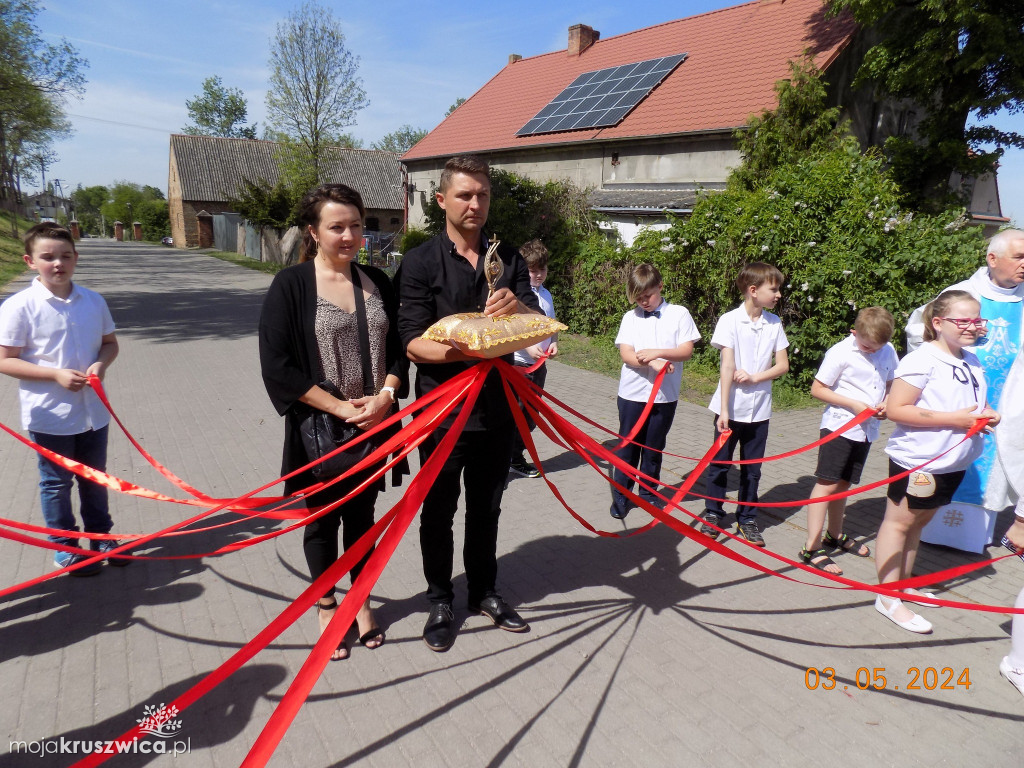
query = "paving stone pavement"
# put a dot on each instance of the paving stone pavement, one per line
(646, 651)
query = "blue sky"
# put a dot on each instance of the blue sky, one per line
(147, 58)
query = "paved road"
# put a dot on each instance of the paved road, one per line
(644, 651)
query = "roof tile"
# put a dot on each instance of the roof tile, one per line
(211, 168)
(736, 55)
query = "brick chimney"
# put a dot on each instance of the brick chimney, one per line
(581, 37)
(514, 57)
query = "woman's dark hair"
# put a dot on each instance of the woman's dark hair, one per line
(309, 211)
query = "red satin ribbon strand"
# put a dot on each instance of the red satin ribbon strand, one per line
(244, 507)
(461, 379)
(858, 419)
(307, 676)
(97, 387)
(648, 407)
(306, 599)
(890, 590)
(417, 431)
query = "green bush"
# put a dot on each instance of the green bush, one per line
(833, 224)
(414, 236)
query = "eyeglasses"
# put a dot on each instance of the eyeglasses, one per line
(963, 323)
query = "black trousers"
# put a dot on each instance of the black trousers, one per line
(752, 437)
(320, 539)
(480, 460)
(538, 377)
(646, 452)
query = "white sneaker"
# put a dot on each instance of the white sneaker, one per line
(915, 624)
(1014, 674)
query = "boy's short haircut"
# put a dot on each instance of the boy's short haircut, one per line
(47, 231)
(535, 254)
(471, 164)
(874, 325)
(642, 278)
(756, 274)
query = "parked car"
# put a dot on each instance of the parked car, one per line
(167, 241)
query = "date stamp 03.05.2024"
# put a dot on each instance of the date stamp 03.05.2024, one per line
(881, 679)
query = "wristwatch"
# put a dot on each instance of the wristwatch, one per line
(391, 392)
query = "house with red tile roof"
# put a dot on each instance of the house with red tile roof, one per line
(643, 137)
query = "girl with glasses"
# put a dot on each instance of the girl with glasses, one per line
(938, 394)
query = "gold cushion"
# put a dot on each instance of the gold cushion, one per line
(492, 336)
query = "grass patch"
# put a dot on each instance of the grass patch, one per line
(700, 375)
(11, 248)
(595, 354)
(244, 261)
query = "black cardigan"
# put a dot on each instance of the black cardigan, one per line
(290, 357)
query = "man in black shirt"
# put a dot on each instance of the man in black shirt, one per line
(439, 278)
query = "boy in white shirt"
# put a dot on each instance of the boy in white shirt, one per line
(748, 338)
(653, 336)
(856, 374)
(535, 254)
(53, 335)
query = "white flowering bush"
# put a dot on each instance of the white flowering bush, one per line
(833, 224)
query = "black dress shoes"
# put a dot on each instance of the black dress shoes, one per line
(439, 631)
(498, 611)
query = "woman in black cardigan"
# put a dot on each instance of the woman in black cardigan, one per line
(308, 334)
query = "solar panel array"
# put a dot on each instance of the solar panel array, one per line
(601, 98)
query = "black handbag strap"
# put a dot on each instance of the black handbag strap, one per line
(363, 328)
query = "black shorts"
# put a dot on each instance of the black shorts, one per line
(939, 488)
(841, 459)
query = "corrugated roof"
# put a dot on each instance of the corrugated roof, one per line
(736, 55)
(210, 169)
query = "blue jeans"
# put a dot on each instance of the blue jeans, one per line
(89, 448)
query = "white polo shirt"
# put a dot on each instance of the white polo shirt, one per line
(547, 306)
(947, 384)
(753, 343)
(673, 326)
(57, 333)
(849, 372)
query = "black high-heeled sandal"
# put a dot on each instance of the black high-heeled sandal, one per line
(331, 606)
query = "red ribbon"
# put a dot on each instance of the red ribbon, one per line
(392, 526)
(404, 510)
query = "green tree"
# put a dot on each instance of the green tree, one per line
(400, 141)
(219, 111)
(962, 61)
(832, 218)
(129, 202)
(458, 103)
(802, 122)
(88, 206)
(36, 78)
(315, 90)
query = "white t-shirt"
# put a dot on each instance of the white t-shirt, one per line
(947, 384)
(753, 342)
(547, 306)
(57, 333)
(673, 327)
(849, 372)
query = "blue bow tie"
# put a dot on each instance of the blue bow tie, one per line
(655, 313)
